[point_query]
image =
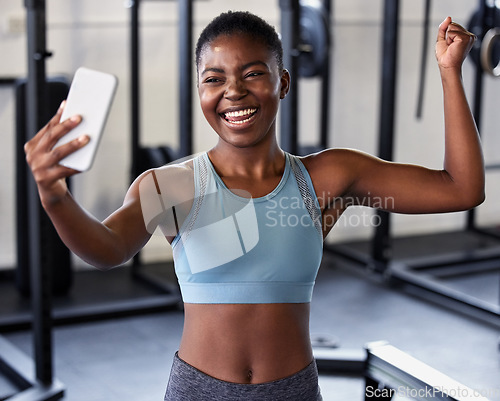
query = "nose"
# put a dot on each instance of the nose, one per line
(235, 89)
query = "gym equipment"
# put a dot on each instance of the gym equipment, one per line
(422, 275)
(42, 385)
(19, 368)
(39, 255)
(484, 20)
(60, 265)
(391, 374)
(423, 57)
(306, 38)
(490, 56)
(485, 24)
(381, 241)
(314, 35)
(144, 158)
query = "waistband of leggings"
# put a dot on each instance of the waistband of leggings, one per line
(308, 373)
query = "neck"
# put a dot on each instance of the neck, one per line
(257, 161)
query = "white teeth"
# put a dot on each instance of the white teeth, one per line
(240, 113)
(241, 122)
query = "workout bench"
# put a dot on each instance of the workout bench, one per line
(391, 374)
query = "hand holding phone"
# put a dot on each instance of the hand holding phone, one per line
(90, 96)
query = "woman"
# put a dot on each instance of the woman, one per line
(246, 220)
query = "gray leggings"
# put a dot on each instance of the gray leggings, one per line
(187, 383)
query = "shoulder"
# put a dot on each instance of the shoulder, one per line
(171, 178)
(335, 171)
(336, 160)
(157, 191)
(334, 157)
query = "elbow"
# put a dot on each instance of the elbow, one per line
(106, 263)
(473, 201)
(479, 195)
(480, 199)
(114, 254)
(103, 267)
(470, 194)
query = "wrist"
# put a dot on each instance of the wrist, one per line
(450, 74)
(51, 201)
(450, 69)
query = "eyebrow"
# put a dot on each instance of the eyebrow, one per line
(243, 67)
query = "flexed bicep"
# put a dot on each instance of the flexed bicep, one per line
(346, 177)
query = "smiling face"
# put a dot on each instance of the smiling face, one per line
(240, 87)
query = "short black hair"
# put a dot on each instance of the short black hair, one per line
(241, 22)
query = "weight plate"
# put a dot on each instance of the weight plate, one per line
(490, 52)
(314, 40)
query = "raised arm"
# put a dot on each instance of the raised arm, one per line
(463, 161)
(360, 179)
(102, 244)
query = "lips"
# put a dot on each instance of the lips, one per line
(239, 117)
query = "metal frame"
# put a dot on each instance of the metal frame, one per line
(35, 378)
(380, 252)
(388, 372)
(185, 73)
(185, 107)
(185, 112)
(381, 240)
(412, 275)
(290, 36)
(391, 371)
(289, 105)
(477, 107)
(409, 273)
(18, 368)
(39, 260)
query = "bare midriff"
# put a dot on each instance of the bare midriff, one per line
(247, 343)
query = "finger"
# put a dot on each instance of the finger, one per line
(60, 152)
(459, 35)
(51, 136)
(40, 160)
(56, 118)
(456, 24)
(52, 122)
(60, 171)
(443, 27)
(456, 27)
(53, 174)
(461, 28)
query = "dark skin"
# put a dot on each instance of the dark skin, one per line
(264, 342)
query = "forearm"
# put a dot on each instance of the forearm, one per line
(84, 235)
(463, 160)
(102, 244)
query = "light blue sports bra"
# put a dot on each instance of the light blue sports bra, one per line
(233, 249)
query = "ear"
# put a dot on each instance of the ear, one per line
(285, 83)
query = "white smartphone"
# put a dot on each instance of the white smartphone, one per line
(90, 95)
